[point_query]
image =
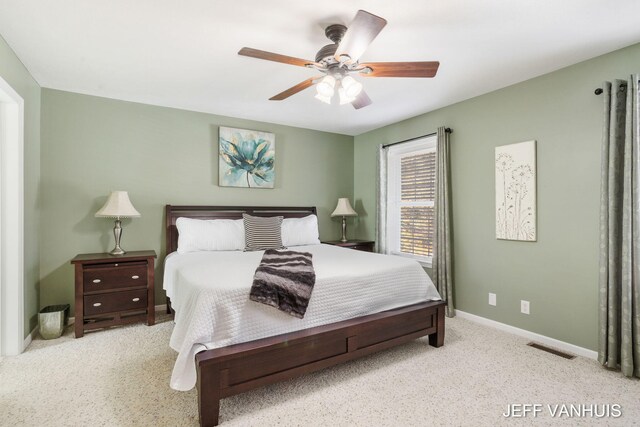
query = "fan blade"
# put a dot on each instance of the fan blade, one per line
(276, 57)
(293, 90)
(401, 69)
(361, 101)
(363, 29)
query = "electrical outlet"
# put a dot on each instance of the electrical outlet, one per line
(524, 307)
(492, 299)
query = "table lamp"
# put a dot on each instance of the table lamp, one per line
(344, 210)
(118, 206)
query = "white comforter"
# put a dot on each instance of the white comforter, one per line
(210, 294)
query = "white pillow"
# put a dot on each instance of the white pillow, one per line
(300, 231)
(209, 235)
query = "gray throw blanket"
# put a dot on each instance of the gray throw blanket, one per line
(284, 279)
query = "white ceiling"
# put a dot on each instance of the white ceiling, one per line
(183, 54)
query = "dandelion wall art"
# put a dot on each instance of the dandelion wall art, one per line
(516, 191)
(246, 158)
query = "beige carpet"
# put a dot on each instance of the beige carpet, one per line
(119, 377)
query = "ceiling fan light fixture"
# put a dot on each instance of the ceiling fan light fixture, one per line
(352, 87)
(325, 99)
(326, 86)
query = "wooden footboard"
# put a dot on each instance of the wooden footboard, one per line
(227, 371)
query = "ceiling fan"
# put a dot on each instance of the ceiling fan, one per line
(339, 61)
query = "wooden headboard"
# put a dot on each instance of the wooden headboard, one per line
(224, 212)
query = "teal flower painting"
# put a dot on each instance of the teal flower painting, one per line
(246, 158)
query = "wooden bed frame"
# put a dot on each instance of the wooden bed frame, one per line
(227, 371)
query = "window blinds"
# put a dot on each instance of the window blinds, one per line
(417, 189)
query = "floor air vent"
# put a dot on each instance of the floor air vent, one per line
(551, 350)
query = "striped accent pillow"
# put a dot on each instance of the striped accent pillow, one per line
(261, 233)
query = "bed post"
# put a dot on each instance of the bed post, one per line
(208, 394)
(437, 339)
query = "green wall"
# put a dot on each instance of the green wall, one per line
(558, 274)
(18, 77)
(161, 156)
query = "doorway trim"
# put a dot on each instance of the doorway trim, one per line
(11, 221)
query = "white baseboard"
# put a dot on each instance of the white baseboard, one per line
(551, 342)
(29, 338)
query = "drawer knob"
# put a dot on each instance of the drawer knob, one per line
(135, 299)
(97, 304)
(135, 277)
(115, 265)
(97, 280)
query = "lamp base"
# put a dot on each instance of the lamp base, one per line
(117, 251)
(344, 230)
(117, 233)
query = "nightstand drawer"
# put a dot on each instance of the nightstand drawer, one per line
(365, 248)
(114, 276)
(358, 245)
(115, 301)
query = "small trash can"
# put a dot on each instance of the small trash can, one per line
(52, 320)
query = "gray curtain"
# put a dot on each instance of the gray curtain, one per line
(619, 343)
(381, 201)
(442, 264)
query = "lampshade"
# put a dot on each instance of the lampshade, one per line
(344, 99)
(352, 87)
(325, 99)
(326, 86)
(344, 208)
(118, 206)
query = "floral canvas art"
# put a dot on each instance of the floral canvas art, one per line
(246, 158)
(516, 191)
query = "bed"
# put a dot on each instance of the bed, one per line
(245, 353)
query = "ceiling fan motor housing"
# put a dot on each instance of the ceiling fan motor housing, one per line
(334, 33)
(325, 54)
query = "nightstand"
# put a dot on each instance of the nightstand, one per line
(113, 290)
(359, 245)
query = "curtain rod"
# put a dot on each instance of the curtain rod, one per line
(447, 130)
(599, 90)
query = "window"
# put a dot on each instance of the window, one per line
(411, 181)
